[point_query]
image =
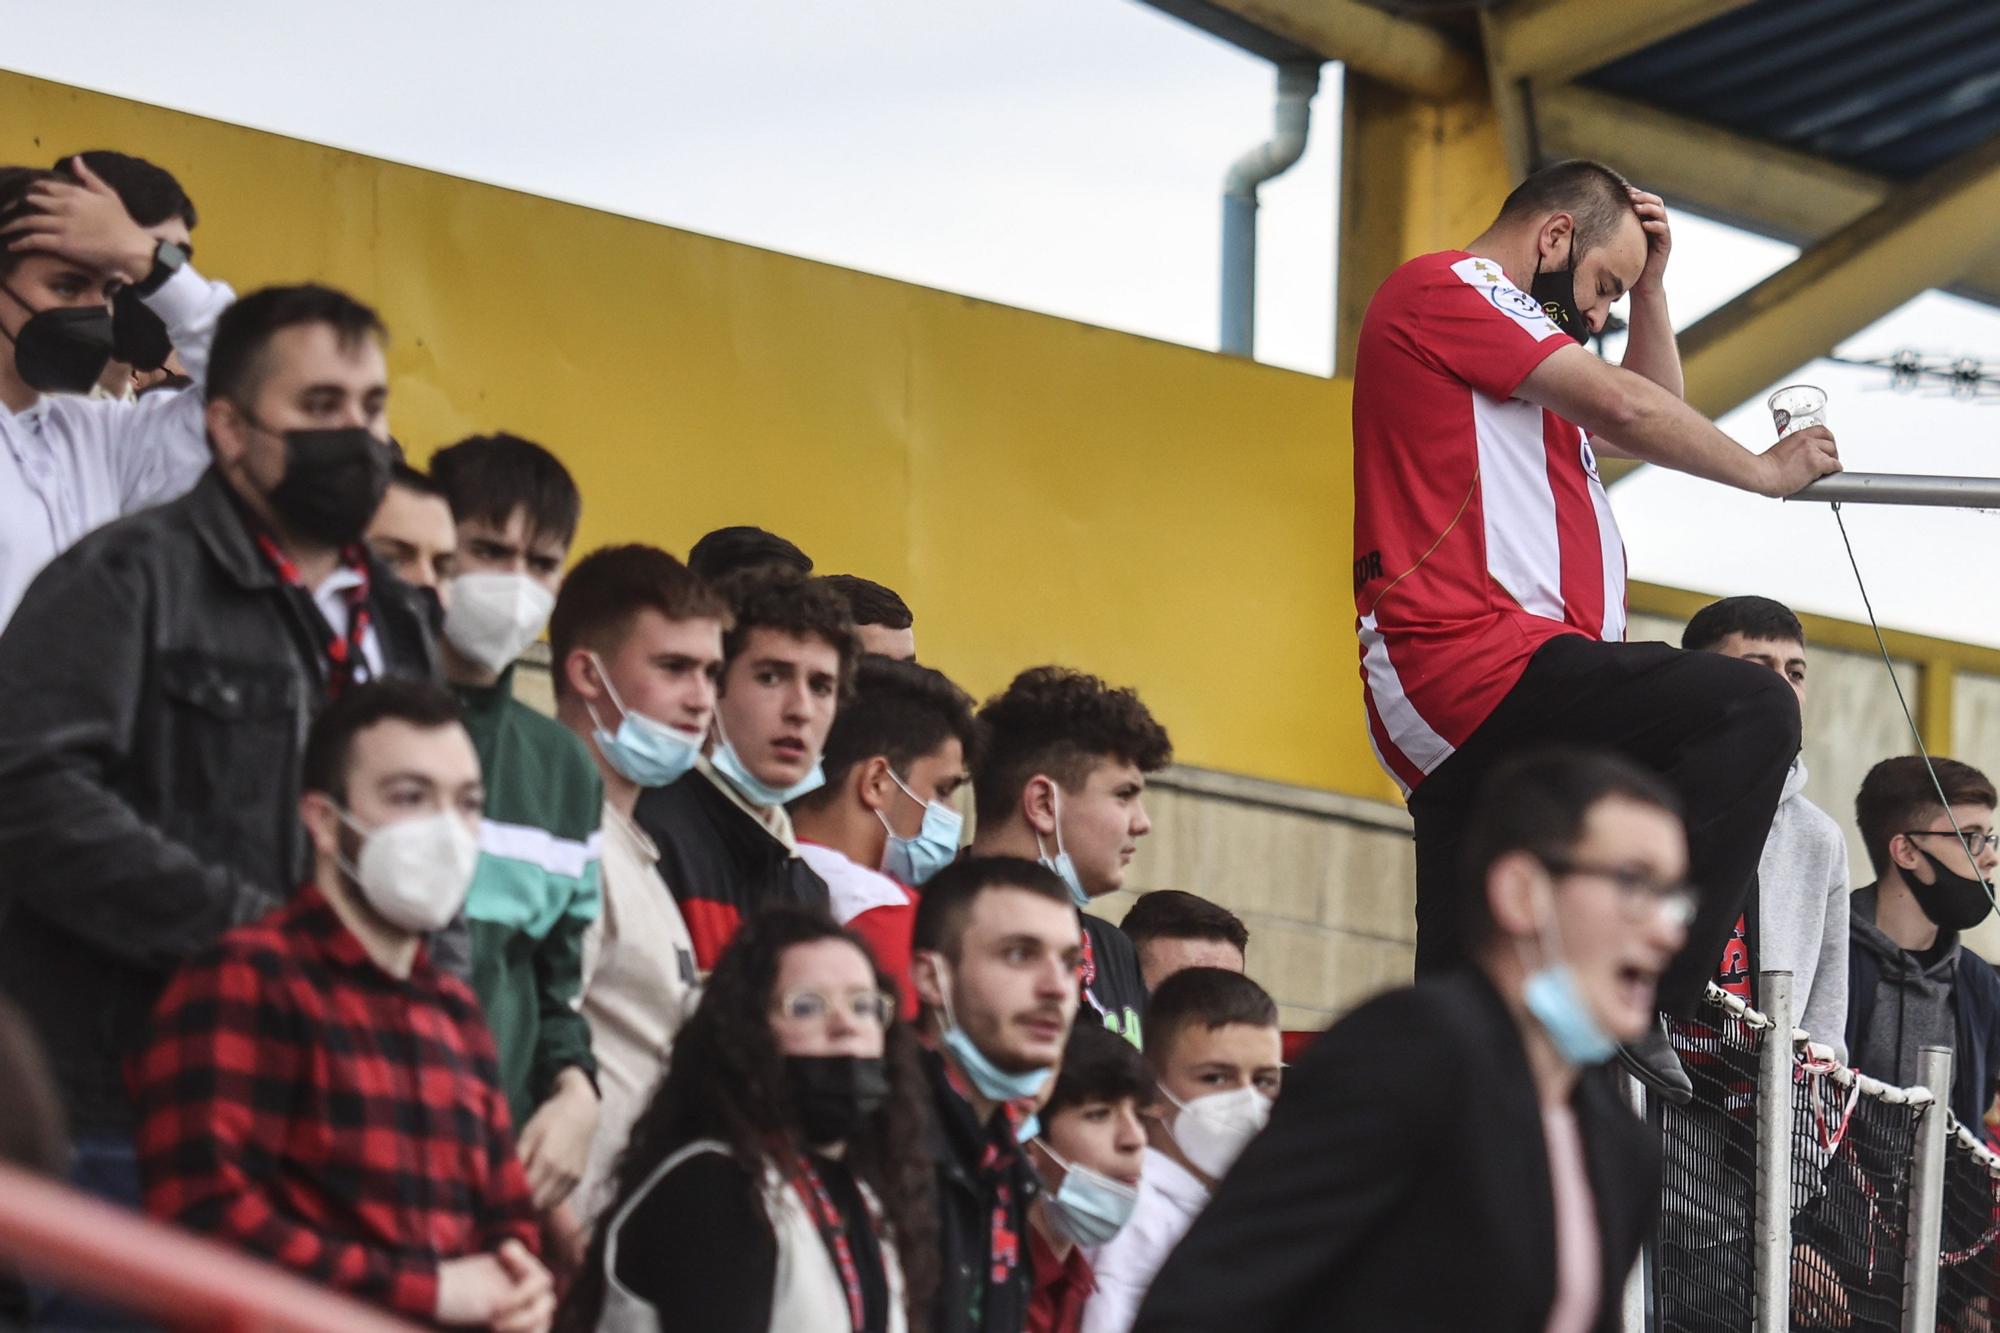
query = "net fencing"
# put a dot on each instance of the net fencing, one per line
(1704, 1273)
(1969, 1257)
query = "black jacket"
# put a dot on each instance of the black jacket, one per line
(721, 865)
(1975, 1067)
(1403, 1185)
(1114, 986)
(984, 1187)
(155, 689)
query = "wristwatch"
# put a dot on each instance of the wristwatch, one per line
(168, 259)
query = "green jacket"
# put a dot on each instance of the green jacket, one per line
(536, 889)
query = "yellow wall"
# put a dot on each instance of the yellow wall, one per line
(1039, 489)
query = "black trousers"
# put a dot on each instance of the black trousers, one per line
(1723, 733)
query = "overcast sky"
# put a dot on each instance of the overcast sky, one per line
(1062, 155)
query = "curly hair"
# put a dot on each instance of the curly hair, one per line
(1061, 723)
(726, 1081)
(776, 598)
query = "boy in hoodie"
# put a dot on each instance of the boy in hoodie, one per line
(1910, 983)
(1797, 921)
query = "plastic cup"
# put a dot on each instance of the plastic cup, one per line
(1797, 406)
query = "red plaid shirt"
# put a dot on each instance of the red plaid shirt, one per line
(296, 1100)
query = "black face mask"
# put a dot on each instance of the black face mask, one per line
(333, 483)
(835, 1094)
(138, 336)
(1952, 901)
(61, 350)
(1555, 292)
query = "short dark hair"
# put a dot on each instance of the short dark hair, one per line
(946, 903)
(413, 479)
(1175, 915)
(236, 360)
(1537, 803)
(871, 603)
(734, 550)
(487, 477)
(898, 710)
(1208, 997)
(1898, 794)
(1590, 192)
(1060, 722)
(149, 192)
(1098, 1065)
(15, 182)
(1752, 617)
(773, 597)
(330, 742)
(609, 587)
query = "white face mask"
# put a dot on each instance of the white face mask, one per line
(491, 618)
(415, 872)
(1215, 1129)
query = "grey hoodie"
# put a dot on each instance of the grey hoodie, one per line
(1913, 1003)
(1802, 912)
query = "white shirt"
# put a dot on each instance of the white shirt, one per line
(331, 599)
(70, 464)
(851, 887)
(1170, 1198)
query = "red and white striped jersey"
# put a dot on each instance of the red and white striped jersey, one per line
(1481, 530)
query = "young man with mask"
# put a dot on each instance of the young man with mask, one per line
(1910, 982)
(636, 640)
(156, 685)
(1172, 930)
(1214, 1049)
(313, 1089)
(1063, 783)
(1489, 577)
(727, 848)
(1365, 1203)
(1089, 1156)
(995, 958)
(413, 535)
(884, 823)
(69, 464)
(881, 618)
(536, 892)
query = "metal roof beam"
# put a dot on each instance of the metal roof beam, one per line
(1560, 39)
(1402, 53)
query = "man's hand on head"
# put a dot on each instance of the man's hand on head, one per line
(84, 222)
(1652, 211)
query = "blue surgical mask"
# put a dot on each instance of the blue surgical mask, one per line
(914, 860)
(1552, 997)
(1088, 1208)
(730, 764)
(1061, 863)
(644, 751)
(993, 1082)
(1027, 1129)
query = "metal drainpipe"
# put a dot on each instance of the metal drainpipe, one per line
(1296, 85)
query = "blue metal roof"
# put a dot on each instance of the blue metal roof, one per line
(1893, 87)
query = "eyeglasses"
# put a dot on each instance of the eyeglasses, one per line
(869, 1008)
(1639, 893)
(1975, 841)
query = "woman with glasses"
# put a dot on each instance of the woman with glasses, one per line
(763, 1187)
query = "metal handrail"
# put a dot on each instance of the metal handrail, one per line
(1893, 488)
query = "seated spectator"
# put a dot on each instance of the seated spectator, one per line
(884, 824)
(1062, 782)
(741, 550)
(1212, 1046)
(1910, 982)
(1172, 930)
(995, 959)
(536, 892)
(312, 1088)
(636, 640)
(727, 849)
(1800, 898)
(1088, 1156)
(156, 685)
(413, 535)
(881, 618)
(68, 464)
(1368, 1203)
(769, 1185)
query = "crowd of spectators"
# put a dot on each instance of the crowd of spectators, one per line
(697, 1004)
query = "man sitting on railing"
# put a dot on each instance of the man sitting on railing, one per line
(1365, 1204)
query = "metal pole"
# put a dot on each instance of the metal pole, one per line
(1920, 1272)
(1773, 1213)
(1639, 1281)
(1890, 488)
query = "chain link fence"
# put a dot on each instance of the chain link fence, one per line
(1969, 1257)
